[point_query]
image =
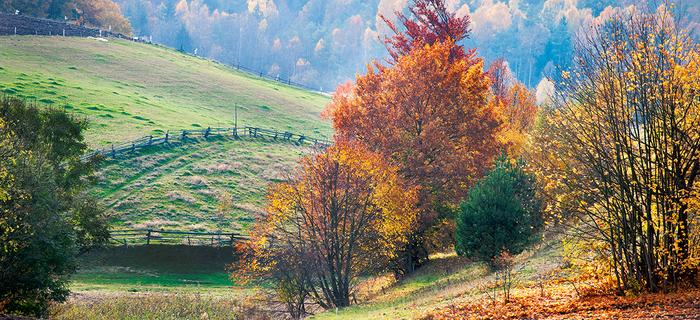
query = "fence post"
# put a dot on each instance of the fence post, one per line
(148, 237)
(114, 154)
(15, 30)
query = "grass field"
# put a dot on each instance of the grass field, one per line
(218, 184)
(446, 280)
(128, 90)
(155, 282)
(156, 268)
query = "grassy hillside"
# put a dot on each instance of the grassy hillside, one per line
(187, 186)
(446, 280)
(129, 89)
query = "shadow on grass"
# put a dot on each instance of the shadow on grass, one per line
(136, 268)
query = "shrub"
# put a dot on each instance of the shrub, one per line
(502, 213)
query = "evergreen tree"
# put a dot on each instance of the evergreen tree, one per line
(502, 213)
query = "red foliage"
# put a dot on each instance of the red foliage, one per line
(431, 23)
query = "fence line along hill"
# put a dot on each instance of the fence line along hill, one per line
(182, 136)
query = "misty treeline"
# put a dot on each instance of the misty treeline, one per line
(104, 14)
(322, 43)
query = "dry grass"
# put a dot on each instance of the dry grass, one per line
(101, 306)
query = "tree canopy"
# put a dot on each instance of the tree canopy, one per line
(46, 219)
(343, 213)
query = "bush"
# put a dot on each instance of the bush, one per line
(501, 213)
(45, 217)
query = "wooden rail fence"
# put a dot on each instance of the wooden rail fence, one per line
(159, 236)
(114, 151)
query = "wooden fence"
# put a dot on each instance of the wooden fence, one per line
(155, 236)
(130, 147)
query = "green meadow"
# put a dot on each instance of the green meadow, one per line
(127, 90)
(218, 184)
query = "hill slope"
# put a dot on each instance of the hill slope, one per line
(129, 89)
(199, 186)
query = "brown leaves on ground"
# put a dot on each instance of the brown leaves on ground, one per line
(684, 304)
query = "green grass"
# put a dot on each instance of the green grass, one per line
(445, 280)
(129, 89)
(155, 282)
(155, 268)
(185, 186)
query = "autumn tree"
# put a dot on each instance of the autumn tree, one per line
(429, 22)
(619, 149)
(342, 214)
(516, 104)
(427, 114)
(103, 14)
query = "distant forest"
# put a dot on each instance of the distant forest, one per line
(323, 43)
(104, 14)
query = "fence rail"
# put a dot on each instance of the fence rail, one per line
(130, 147)
(160, 236)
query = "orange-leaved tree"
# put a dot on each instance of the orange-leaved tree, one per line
(103, 14)
(429, 115)
(344, 212)
(516, 103)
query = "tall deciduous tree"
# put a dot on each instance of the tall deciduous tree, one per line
(620, 148)
(104, 14)
(429, 115)
(342, 214)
